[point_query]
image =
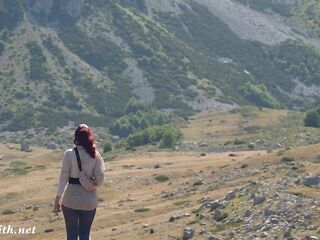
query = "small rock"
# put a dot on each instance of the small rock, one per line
(48, 230)
(35, 207)
(219, 216)
(213, 205)
(24, 147)
(212, 237)
(145, 225)
(29, 207)
(258, 199)
(297, 181)
(311, 180)
(310, 238)
(247, 213)
(251, 146)
(264, 235)
(231, 195)
(188, 233)
(287, 235)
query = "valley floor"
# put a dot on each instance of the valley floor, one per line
(132, 201)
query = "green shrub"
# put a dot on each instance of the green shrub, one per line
(98, 52)
(169, 139)
(266, 5)
(287, 159)
(161, 178)
(137, 116)
(7, 212)
(312, 118)
(19, 167)
(38, 70)
(259, 95)
(142, 209)
(181, 202)
(198, 183)
(239, 141)
(244, 165)
(107, 147)
(135, 105)
(138, 139)
(56, 51)
(1, 48)
(165, 135)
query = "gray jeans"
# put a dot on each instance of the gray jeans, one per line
(78, 223)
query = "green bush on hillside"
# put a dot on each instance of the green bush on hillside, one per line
(98, 52)
(1, 48)
(56, 51)
(106, 102)
(259, 95)
(38, 70)
(137, 116)
(296, 60)
(168, 139)
(166, 135)
(275, 5)
(135, 105)
(312, 118)
(107, 147)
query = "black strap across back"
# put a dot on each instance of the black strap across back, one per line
(76, 180)
(78, 158)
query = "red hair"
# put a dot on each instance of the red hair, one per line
(84, 137)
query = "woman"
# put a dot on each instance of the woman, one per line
(78, 205)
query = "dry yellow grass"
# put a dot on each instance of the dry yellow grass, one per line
(226, 126)
(130, 181)
(125, 190)
(134, 188)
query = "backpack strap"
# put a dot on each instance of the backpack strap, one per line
(78, 158)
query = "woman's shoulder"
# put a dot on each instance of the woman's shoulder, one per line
(68, 152)
(98, 156)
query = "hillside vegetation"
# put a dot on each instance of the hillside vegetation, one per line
(62, 62)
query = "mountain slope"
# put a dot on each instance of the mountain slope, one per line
(77, 60)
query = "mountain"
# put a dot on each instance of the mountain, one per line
(83, 60)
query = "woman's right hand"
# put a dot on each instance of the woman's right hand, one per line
(57, 206)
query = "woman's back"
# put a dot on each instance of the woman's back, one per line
(88, 163)
(75, 196)
(78, 203)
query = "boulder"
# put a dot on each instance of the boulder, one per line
(257, 199)
(311, 180)
(24, 147)
(188, 233)
(219, 216)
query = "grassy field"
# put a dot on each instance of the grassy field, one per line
(249, 124)
(136, 196)
(130, 186)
